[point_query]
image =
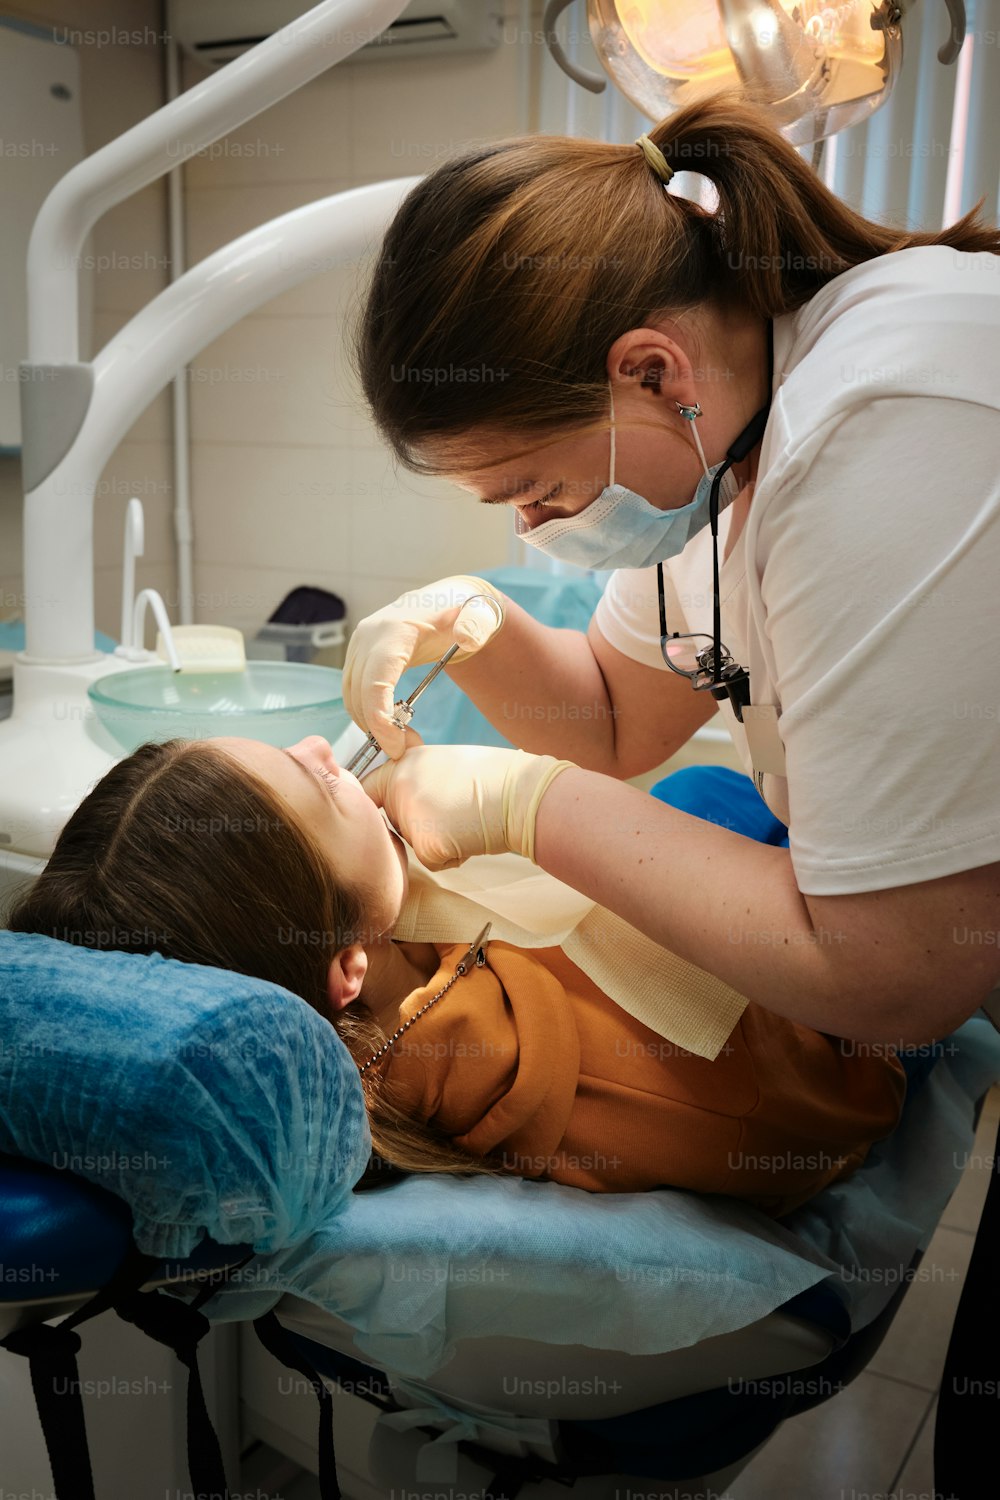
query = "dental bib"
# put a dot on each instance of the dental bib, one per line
(531, 909)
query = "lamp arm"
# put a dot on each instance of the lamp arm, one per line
(592, 81)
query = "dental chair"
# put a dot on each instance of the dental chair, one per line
(184, 1143)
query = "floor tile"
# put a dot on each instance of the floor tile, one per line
(967, 1202)
(305, 1487)
(917, 1476)
(855, 1441)
(966, 1206)
(267, 1474)
(913, 1350)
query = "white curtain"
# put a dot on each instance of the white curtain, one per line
(933, 150)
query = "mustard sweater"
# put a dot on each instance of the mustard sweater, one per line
(527, 1061)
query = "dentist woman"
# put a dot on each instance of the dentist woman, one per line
(554, 329)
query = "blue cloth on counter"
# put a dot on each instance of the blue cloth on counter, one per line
(12, 637)
(214, 1104)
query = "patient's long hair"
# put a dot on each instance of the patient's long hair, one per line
(510, 270)
(179, 851)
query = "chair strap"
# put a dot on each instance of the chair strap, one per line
(51, 1352)
(507, 1481)
(181, 1328)
(277, 1342)
(55, 1378)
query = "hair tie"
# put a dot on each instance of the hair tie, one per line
(655, 158)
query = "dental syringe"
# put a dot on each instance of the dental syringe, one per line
(402, 713)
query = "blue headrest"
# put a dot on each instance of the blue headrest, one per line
(210, 1102)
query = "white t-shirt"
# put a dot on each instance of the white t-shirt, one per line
(863, 594)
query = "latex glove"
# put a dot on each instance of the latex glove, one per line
(415, 630)
(450, 802)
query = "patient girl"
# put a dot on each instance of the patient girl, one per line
(276, 864)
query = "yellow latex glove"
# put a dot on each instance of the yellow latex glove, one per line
(450, 802)
(413, 631)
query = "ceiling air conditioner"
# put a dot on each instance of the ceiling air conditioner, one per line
(216, 31)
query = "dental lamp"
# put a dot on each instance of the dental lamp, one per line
(818, 65)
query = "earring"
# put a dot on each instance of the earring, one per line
(689, 412)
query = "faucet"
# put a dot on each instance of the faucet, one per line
(134, 610)
(134, 547)
(151, 598)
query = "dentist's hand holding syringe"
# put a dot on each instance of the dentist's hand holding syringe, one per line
(448, 802)
(414, 630)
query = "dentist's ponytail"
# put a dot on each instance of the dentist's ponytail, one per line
(782, 234)
(509, 271)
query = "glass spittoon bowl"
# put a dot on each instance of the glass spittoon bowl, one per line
(278, 702)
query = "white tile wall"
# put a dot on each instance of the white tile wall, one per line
(290, 483)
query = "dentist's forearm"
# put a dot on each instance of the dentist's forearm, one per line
(543, 690)
(722, 901)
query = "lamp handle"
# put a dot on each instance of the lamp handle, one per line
(949, 50)
(592, 81)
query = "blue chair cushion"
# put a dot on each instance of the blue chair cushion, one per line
(213, 1104)
(63, 1237)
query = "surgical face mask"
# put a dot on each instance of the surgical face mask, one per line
(622, 530)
